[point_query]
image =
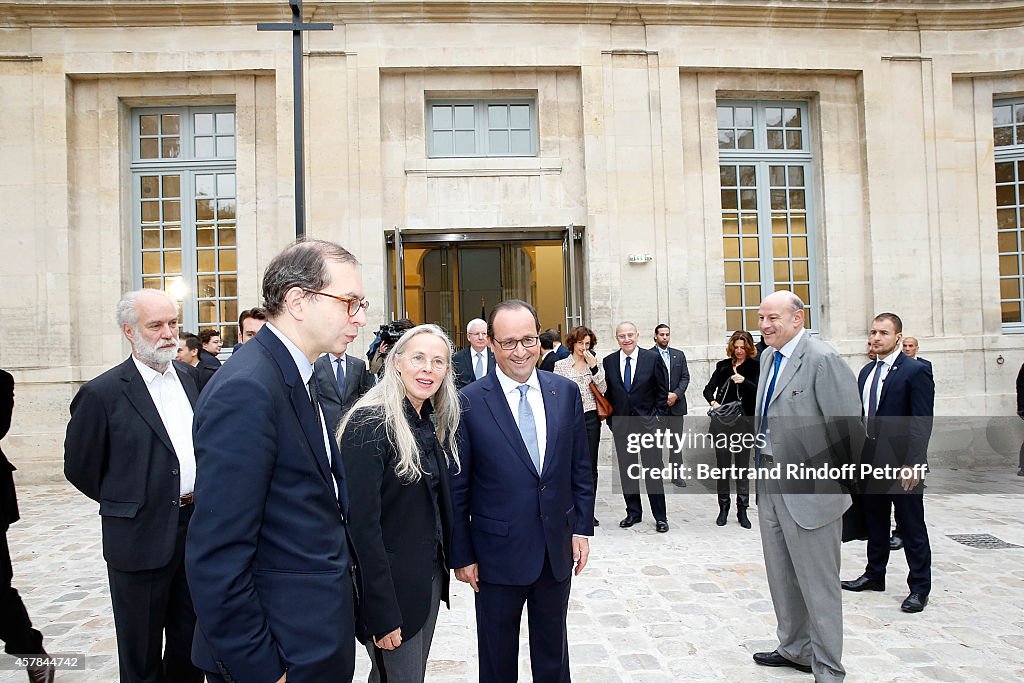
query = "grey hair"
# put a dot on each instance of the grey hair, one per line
(473, 323)
(628, 322)
(795, 302)
(302, 264)
(385, 402)
(127, 312)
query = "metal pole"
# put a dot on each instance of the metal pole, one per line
(300, 176)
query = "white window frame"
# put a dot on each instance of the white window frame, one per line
(761, 158)
(480, 127)
(187, 167)
(1012, 153)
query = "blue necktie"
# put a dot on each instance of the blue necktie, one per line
(341, 377)
(528, 426)
(777, 363)
(873, 399)
(478, 369)
(627, 379)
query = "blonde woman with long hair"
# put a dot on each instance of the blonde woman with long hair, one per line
(400, 516)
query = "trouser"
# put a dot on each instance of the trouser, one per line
(727, 456)
(593, 423)
(913, 530)
(499, 610)
(408, 662)
(15, 627)
(649, 458)
(151, 606)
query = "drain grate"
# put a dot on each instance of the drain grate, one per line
(986, 541)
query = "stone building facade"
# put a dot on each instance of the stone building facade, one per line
(659, 161)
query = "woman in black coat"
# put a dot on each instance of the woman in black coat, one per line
(735, 379)
(400, 515)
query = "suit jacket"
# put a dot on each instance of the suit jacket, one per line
(509, 517)
(267, 554)
(548, 362)
(193, 372)
(393, 523)
(648, 388)
(8, 498)
(208, 364)
(357, 382)
(903, 418)
(462, 363)
(927, 362)
(678, 379)
(814, 419)
(117, 451)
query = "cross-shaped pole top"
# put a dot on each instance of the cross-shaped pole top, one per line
(297, 27)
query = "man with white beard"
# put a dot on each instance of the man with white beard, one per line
(129, 448)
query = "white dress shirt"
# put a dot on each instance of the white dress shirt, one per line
(886, 368)
(632, 366)
(305, 372)
(510, 388)
(176, 413)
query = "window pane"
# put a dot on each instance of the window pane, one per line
(1011, 311)
(172, 238)
(225, 184)
(229, 310)
(171, 186)
(151, 239)
(1005, 195)
(777, 176)
(170, 148)
(751, 320)
(800, 272)
(226, 237)
(204, 124)
(204, 148)
(520, 142)
(773, 116)
(775, 139)
(497, 142)
(727, 175)
(796, 176)
(750, 247)
(744, 117)
(1003, 137)
(749, 223)
(152, 283)
(1007, 242)
(797, 224)
(752, 271)
(520, 116)
(802, 291)
(732, 272)
(170, 124)
(779, 223)
(497, 116)
(780, 247)
(1002, 115)
(149, 124)
(225, 209)
(726, 139)
(725, 117)
(441, 117)
(794, 139)
(204, 209)
(1008, 265)
(149, 148)
(204, 185)
(778, 200)
(225, 147)
(443, 144)
(792, 115)
(465, 142)
(150, 212)
(225, 123)
(753, 294)
(734, 320)
(781, 271)
(1009, 288)
(733, 296)
(745, 139)
(172, 211)
(229, 287)
(729, 200)
(796, 200)
(172, 262)
(748, 176)
(207, 285)
(730, 225)
(1006, 218)
(204, 237)
(151, 262)
(207, 312)
(799, 246)
(206, 261)
(732, 247)
(748, 199)
(149, 186)
(227, 259)
(464, 117)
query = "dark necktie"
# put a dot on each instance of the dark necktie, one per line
(314, 398)
(767, 401)
(627, 378)
(341, 377)
(873, 399)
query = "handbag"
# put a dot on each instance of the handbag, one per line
(727, 414)
(604, 407)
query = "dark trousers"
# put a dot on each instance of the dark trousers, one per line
(910, 519)
(149, 605)
(650, 458)
(15, 627)
(736, 457)
(593, 423)
(499, 609)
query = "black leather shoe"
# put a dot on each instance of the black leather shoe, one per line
(661, 527)
(915, 602)
(864, 583)
(775, 659)
(681, 483)
(741, 516)
(629, 521)
(895, 542)
(597, 522)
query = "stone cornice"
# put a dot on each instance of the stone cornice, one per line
(927, 15)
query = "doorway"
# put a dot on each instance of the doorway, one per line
(450, 278)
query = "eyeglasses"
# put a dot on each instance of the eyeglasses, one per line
(510, 344)
(419, 361)
(354, 305)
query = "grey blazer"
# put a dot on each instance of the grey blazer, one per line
(815, 383)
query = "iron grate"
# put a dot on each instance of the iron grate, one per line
(985, 541)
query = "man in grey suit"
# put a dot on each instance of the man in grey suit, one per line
(341, 380)
(807, 400)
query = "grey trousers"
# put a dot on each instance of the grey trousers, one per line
(803, 577)
(407, 663)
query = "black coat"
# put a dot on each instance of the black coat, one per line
(745, 393)
(208, 364)
(392, 523)
(8, 499)
(357, 382)
(462, 364)
(117, 452)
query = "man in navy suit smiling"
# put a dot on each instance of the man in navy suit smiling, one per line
(523, 501)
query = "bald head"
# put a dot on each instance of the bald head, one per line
(780, 318)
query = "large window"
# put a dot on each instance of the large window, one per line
(1008, 135)
(505, 128)
(183, 207)
(765, 171)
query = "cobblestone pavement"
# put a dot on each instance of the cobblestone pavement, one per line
(692, 604)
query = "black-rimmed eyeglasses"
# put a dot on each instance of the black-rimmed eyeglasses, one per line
(510, 344)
